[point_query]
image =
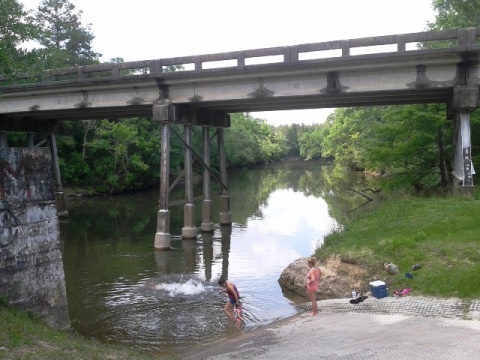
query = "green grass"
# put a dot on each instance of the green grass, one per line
(24, 337)
(441, 234)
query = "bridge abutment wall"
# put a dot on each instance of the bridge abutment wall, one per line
(31, 266)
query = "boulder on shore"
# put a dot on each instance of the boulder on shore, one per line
(338, 279)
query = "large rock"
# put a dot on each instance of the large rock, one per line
(338, 280)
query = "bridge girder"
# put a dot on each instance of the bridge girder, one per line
(133, 89)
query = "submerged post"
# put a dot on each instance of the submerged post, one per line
(207, 223)
(225, 213)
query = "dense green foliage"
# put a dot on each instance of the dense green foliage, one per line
(407, 145)
(112, 156)
(16, 28)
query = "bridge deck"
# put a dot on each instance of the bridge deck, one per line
(320, 75)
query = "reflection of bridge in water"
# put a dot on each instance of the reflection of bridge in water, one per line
(206, 88)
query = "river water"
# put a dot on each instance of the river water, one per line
(120, 290)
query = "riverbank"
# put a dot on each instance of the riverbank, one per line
(26, 337)
(432, 241)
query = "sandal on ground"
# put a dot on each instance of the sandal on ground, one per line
(405, 292)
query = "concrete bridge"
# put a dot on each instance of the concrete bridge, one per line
(205, 89)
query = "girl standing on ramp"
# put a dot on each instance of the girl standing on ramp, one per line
(313, 275)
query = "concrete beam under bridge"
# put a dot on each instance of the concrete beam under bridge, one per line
(190, 115)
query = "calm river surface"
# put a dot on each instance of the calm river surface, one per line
(122, 291)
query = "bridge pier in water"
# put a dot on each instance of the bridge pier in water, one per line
(207, 222)
(168, 114)
(189, 231)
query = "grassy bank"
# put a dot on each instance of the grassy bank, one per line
(26, 338)
(440, 234)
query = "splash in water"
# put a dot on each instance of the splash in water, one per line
(189, 287)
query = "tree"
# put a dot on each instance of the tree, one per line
(408, 146)
(453, 14)
(66, 41)
(16, 28)
(310, 143)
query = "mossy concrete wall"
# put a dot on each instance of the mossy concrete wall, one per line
(31, 266)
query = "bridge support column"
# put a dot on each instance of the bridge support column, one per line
(3, 140)
(30, 139)
(225, 212)
(465, 100)
(189, 231)
(62, 211)
(162, 236)
(207, 223)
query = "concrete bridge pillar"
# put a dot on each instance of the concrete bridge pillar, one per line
(164, 114)
(59, 194)
(225, 212)
(207, 223)
(465, 101)
(30, 139)
(189, 231)
(3, 140)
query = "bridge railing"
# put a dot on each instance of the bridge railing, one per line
(458, 39)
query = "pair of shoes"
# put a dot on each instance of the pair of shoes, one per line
(416, 267)
(358, 299)
(409, 275)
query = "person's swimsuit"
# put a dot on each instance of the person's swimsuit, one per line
(313, 286)
(231, 296)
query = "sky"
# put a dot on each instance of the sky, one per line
(154, 29)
